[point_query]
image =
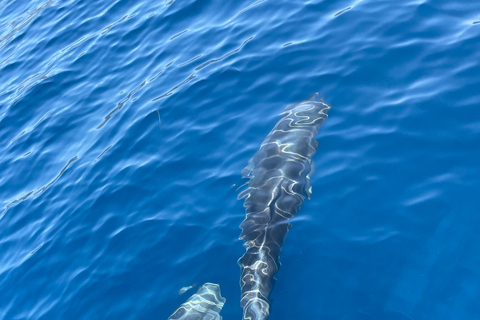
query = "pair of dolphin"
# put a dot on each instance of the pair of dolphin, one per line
(279, 182)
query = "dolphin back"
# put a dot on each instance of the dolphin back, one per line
(206, 304)
(279, 182)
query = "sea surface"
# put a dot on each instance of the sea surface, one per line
(124, 127)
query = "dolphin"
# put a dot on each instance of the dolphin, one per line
(279, 182)
(206, 304)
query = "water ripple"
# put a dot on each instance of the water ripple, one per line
(342, 11)
(121, 103)
(40, 190)
(21, 22)
(198, 68)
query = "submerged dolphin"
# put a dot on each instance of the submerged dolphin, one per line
(206, 304)
(279, 182)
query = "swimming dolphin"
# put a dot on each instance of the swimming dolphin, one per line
(279, 182)
(206, 304)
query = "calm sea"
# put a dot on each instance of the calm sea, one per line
(124, 126)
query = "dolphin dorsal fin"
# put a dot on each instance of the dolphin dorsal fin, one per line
(313, 97)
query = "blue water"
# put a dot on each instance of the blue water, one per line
(125, 124)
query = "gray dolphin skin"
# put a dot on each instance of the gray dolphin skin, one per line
(279, 182)
(206, 304)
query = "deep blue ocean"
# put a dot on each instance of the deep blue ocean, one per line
(124, 127)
